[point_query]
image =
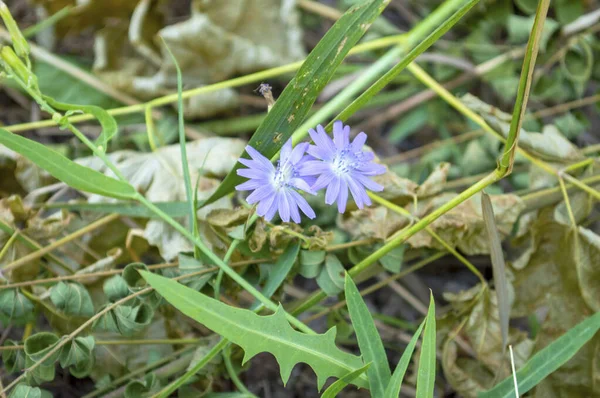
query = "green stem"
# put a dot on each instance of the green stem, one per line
(232, 373)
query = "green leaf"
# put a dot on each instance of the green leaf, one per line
(280, 270)
(69, 172)
(142, 388)
(188, 265)
(571, 125)
(25, 391)
(13, 360)
(72, 299)
(331, 277)
(126, 320)
(369, 342)
(115, 288)
(78, 356)
(426, 372)
(393, 260)
(393, 388)
(547, 360)
(335, 388)
(257, 334)
(586, 247)
(108, 123)
(38, 345)
(293, 105)
(310, 262)
(14, 307)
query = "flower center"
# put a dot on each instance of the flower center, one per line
(344, 162)
(283, 175)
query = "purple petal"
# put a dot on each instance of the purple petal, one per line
(358, 193)
(302, 185)
(252, 173)
(367, 182)
(359, 141)
(298, 152)
(286, 150)
(284, 207)
(323, 180)
(272, 209)
(293, 208)
(265, 205)
(258, 157)
(341, 134)
(249, 185)
(332, 191)
(342, 197)
(371, 169)
(313, 167)
(303, 204)
(253, 164)
(320, 153)
(260, 194)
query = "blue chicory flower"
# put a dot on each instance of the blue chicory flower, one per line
(341, 165)
(275, 188)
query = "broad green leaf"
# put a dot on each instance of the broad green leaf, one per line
(498, 266)
(393, 387)
(369, 342)
(256, 334)
(78, 356)
(296, 100)
(25, 391)
(409, 124)
(547, 360)
(38, 345)
(14, 307)
(13, 360)
(115, 288)
(426, 371)
(108, 123)
(335, 388)
(69, 172)
(572, 125)
(331, 277)
(72, 299)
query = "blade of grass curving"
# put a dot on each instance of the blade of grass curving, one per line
(334, 389)
(393, 387)
(65, 170)
(510, 148)
(369, 341)
(498, 266)
(108, 123)
(182, 145)
(547, 360)
(298, 97)
(257, 334)
(443, 26)
(426, 371)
